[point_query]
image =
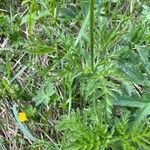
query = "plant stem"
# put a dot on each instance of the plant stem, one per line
(91, 32)
(30, 21)
(52, 11)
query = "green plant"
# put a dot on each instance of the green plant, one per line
(80, 72)
(91, 131)
(91, 7)
(45, 94)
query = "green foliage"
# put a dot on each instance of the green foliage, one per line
(42, 144)
(78, 94)
(30, 110)
(45, 95)
(85, 131)
(132, 137)
(89, 130)
(2, 146)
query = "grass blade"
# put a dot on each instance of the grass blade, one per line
(24, 129)
(83, 29)
(30, 22)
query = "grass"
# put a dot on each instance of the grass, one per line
(79, 70)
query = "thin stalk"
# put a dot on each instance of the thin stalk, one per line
(53, 11)
(91, 6)
(30, 21)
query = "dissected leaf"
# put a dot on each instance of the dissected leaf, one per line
(44, 95)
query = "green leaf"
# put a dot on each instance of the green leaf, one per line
(146, 12)
(23, 128)
(83, 29)
(133, 72)
(142, 113)
(30, 110)
(44, 95)
(128, 103)
(25, 2)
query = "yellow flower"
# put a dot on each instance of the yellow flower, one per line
(22, 117)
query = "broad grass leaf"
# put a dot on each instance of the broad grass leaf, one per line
(23, 128)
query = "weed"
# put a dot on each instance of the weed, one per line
(79, 73)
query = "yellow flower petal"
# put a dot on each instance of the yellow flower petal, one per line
(22, 117)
